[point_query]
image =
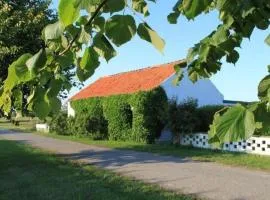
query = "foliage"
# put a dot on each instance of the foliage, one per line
(238, 19)
(20, 30)
(84, 124)
(129, 116)
(75, 43)
(99, 32)
(183, 117)
(58, 123)
(206, 117)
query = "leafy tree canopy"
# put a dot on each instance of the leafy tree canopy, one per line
(81, 39)
(20, 32)
(20, 29)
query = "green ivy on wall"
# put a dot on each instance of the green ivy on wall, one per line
(137, 117)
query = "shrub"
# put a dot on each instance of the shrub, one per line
(70, 126)
(58, 123)
(183, 117)
(206, 116)
(86, 125)
(156, 113)
(97, 128)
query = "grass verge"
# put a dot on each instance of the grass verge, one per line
(27, 173)
(228, 158)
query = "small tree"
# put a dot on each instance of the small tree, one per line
(183, 117)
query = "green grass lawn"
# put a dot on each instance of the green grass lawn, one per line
(27, 173)
(227, 158)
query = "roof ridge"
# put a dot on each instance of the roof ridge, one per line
(144, 68)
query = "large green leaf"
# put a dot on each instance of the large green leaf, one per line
(89, 60)
(232, 57)
(87, 4)
(114, 6)
(120, 29)
(55, 104)
(21, 69)
(36, 62)
(237, 123)
(148, 34)
(140, 6)
(262, 116)
(103, 47)
(219, 36)
(173, 17)
(193, 8)
(17, 73)
(68, 11)
(53, 31)
(82, 75)
(54, 88)
(41, 106)
(87, 65)
(65, 60)
(99, 24)
(84, 37)
(264, 88)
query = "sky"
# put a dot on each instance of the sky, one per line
(235, 82)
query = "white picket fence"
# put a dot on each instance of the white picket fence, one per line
(256, 145)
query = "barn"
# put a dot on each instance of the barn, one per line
(147, 79)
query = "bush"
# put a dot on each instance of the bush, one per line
(84, 125)
(183, 117)
(58, 124)
(206, 117)
(156, 113)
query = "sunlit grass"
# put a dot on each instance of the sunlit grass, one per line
(27, 173)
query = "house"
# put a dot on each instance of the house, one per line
(146, 79)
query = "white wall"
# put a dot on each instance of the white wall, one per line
(71, 111)
(203, 90)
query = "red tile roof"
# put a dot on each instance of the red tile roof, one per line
(128, 82)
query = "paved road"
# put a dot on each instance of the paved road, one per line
(205, 179)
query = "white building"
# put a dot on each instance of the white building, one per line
(149, 78)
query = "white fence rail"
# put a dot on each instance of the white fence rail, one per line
(256, 145)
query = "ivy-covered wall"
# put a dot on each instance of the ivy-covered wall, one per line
(137, 117)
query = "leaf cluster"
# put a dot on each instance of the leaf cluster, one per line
(238, 20)
(76, 43)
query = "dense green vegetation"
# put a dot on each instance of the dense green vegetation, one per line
(77, 43)
(187, 118)
(119, 117)
(30, 174)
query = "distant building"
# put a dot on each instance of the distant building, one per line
(146, 79)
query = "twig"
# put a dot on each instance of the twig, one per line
(87, 24)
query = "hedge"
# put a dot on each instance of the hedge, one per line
(206, 116)
(136, 117)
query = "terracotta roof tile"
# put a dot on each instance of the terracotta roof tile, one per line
(128, 82)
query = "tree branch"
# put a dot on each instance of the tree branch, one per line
(87, 24)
